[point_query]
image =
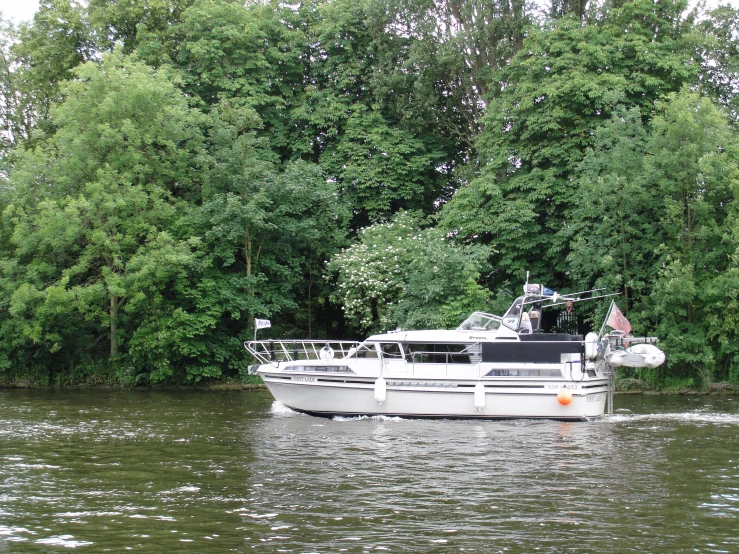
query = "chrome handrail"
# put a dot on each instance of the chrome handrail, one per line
(275, 351)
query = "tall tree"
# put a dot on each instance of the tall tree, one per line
(132, 23)
(615, 232)
(566, 80)
(561, 8)
(16, 111)
(717, 43)
(459, 45)
(656, 208)
(694, 163)
(226, 50)
(58, 40)
(127, 146)
(271, 224)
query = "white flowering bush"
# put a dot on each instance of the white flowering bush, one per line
(401, 275)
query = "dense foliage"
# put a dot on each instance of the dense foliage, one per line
(400, 274)
(173, 169)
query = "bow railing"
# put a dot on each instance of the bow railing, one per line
(275, 351)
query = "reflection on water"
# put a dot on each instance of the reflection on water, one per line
(217, 472)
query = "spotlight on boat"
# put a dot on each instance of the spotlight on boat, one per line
(564, 397)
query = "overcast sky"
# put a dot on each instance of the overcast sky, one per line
(23, 10)
(18, 10)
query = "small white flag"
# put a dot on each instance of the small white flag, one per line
(262, 323)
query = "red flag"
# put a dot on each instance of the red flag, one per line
(617, 320)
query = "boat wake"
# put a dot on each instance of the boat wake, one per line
(368, 417)
(279, 409)
(716, 418)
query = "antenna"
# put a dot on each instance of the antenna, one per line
(564, 298)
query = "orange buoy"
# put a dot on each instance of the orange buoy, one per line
(564, 397)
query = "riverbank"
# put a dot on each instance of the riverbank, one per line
(230, 386)
(682, 392)
(636, 386)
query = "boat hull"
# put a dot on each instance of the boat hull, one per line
(439, 399)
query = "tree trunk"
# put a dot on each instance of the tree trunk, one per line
(247, 251)
(625, 262)
(310, 302)
(115, 303)
(328, 317)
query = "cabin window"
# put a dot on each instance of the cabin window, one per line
(391, 350)
(437, 353)
(366, 351)
(319, 368)
(524, 373)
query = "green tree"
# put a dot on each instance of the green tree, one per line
(566, 81)
(349, 119)
(133, 23)
(616, 237)
(276, 222)
(400, 274)
(458, 47)
(723, 292)
(16, 112)
(228, 50)
(382, 169)
(694, 165)
(655, 221)
(58, 40)
(102, 190)
(717, 45)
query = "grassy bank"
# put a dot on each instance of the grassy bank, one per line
(637, 386)
(250, 382)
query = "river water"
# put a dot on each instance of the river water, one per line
(236, 472)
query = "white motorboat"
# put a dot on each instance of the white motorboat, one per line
(489, 367)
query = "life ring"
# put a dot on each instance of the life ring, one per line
(326, 353)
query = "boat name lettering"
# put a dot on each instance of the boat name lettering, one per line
(472, 337)
(594, 398)
(558, 386)
(304, 378)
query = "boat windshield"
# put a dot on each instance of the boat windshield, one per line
(364, 350)
(480, 321)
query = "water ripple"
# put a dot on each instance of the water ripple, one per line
(240, 472)
(684, 417)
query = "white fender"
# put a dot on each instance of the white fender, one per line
(380, 390)
(591, 346)
(479, 396)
